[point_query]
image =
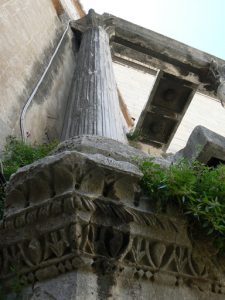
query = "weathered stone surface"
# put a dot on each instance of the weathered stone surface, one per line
(75, 285)
(76, 227)
(140, 45)
(94, 104)
(217, 77)
(92, 144)
(204, 145)
(23, 62)
(43, 119)
(90, 173)
(166, 106)
(80, 285)
(221, 92)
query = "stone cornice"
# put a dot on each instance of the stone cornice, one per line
(146, 48)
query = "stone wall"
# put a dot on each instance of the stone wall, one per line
(50, 101)
(135, 87)
(203, 111)
(30, 31)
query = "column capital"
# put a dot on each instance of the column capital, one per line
(95, 20)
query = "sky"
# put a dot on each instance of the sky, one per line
(197, 23)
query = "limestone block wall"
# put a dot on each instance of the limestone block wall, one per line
(29, 31)
(204, 111)
(135, 87)
(45, 115)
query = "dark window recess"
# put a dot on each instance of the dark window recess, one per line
(214, 162)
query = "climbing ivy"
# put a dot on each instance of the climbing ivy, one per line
(197, 189)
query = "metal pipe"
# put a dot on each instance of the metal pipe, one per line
(28, 102)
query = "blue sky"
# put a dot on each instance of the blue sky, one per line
(198, 23)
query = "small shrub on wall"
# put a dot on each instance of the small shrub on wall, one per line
(197, 189)
(17, 154)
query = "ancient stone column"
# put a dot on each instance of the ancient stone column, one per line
(94, 106)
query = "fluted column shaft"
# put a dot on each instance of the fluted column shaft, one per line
(94, 104)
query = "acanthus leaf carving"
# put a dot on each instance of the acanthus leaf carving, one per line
(149, 257)
(84, 238)
(76, 235)
(58, 245)
(25, 257)
(180, 258)
(158, 252)
(198, 268)
(35, 251)
(87, 244)
(110, 242)
(44, 211)
(137, 252)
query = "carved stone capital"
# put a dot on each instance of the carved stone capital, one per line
(92, 19)
(76, 212)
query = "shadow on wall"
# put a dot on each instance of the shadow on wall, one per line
(45, 114)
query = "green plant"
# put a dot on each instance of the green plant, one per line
(199, 191)
(133, 135)
(17, 154)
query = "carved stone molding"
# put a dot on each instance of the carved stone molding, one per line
(93, 224)
(93, 174)
(84, 242)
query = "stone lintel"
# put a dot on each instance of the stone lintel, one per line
(144, 46)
